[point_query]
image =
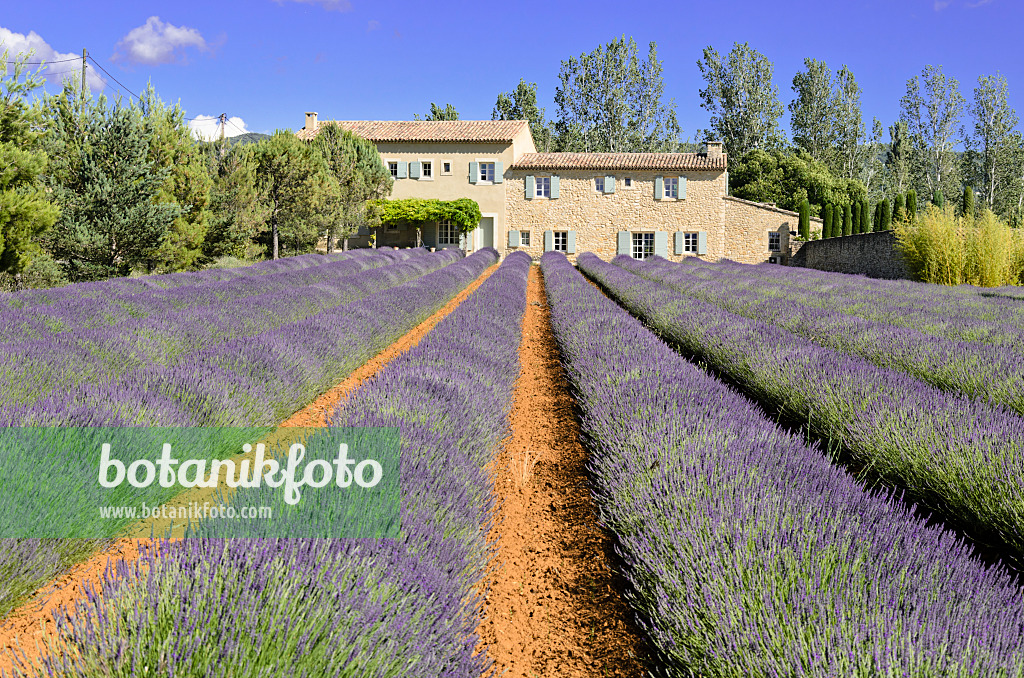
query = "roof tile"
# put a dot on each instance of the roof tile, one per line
(620, 161)
(421, 130)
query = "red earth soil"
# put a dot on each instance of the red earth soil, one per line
(28, 628)
(553, 606)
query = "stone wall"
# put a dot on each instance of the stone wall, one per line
(871, 254)
(747, 225)
(598, 217)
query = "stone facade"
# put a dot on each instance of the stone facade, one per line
(870, 254)
(747, 225)
(597, 217)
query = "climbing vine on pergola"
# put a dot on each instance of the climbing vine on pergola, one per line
(464, 213)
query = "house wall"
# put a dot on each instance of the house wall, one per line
(598, 217)
(871, 254)
(747, 225)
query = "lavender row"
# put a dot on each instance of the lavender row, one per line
(31, 369)
(982, 371)
(952, 313)
(374, 608)
(246, 383)
(745, 550)
(959, 457)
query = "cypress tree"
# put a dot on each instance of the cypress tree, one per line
(876, 218)
(938, 200)
(899, 211)
(856, 217)
(968, 204)
(826, 218)
(805, 219)
(885, 221)
(912, 205)
(848, 219)
(865, 216)
(837, 221)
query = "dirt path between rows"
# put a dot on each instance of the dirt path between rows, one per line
(553, 607)
(27, 628)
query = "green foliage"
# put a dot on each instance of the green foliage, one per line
(521, 104)
(296, 181)
(42, 272)
(611, 101)
(238, 203)
(932, 108)
(108, 184)
(25, 209)
(938, 200)
(856, 208)
(742, 100)
(826, 228)
(911, 209)
(438, 113)
(848, 219)
(886, 217)
(876, 218)
(967, 204)
(946, 249)
(464, 212)
(899, 212)
(992, 140)
(805, 219)
(786, 179)
(865, 216)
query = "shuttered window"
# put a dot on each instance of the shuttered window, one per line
(643, 245)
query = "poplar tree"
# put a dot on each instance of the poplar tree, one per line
(25, 209)
(438, 113)
(932, 108)
(521, 104)
(991, 136)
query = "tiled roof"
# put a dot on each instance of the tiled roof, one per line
(419, 130)
(619, 161)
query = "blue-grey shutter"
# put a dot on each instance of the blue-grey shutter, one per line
(554, 187)
(474, 172)
(680, 241)
(414, 169)
(702, 242)
(403, 169)
(531, 192)
(430, 235)
(659, 188)
(571, 248)
(499, 172)
(549, 241)
(682, 188)
(624, 243)
(609, 184)
(513, 238)
(661, 243)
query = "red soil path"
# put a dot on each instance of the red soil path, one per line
(28, 628)
(553, 606)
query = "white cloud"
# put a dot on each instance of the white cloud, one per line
(55, 73)
(156, 42)
(207, 127)
(336, 5)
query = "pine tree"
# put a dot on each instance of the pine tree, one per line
(886, 220)
(967, 207)
(805, 219)
(238, 205)
(938, 200)
(912, 205)
(899, 210)
(847, 219)
(826, 218)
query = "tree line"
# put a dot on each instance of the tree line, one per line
(94, 188)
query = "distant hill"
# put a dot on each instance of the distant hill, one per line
(247, 138)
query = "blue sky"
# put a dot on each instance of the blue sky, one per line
(266, 62)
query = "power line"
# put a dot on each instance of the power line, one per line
(44, 63)
(240, 130)
(114, 79)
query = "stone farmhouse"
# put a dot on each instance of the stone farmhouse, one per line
(672, 204)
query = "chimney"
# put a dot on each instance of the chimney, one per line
(311, 121)
(714, 149)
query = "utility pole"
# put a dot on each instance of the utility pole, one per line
(82, 95)
(220, 142)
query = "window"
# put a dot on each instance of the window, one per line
(690, 242)
(643, 245)
(775, 242)
(524, 238)
(543, 187)
(599, 184)
(393, 168)
(427, 172)
(627, 182)
(561, 241)
(671, 187)
(447, 234)
(487, 171)
(446, 168)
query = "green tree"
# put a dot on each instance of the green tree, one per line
(848, 219)
(886, 219)
(991, 136)
(899, 210)
(855, 208)
(899, 159)
(293, 177)
(865, 216)
(876, 218)
(108, 184)
(238, 203)
(805, 219)
(850, 134)
(361, 178)
(741, 98)
(967, 204)
(826, 226)
(438, 113)
(812, 118)
(786, 179)
(938, 199)
(932, 108)
(611, 100)
(521, 104)
(25, 209)
(912, 204)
